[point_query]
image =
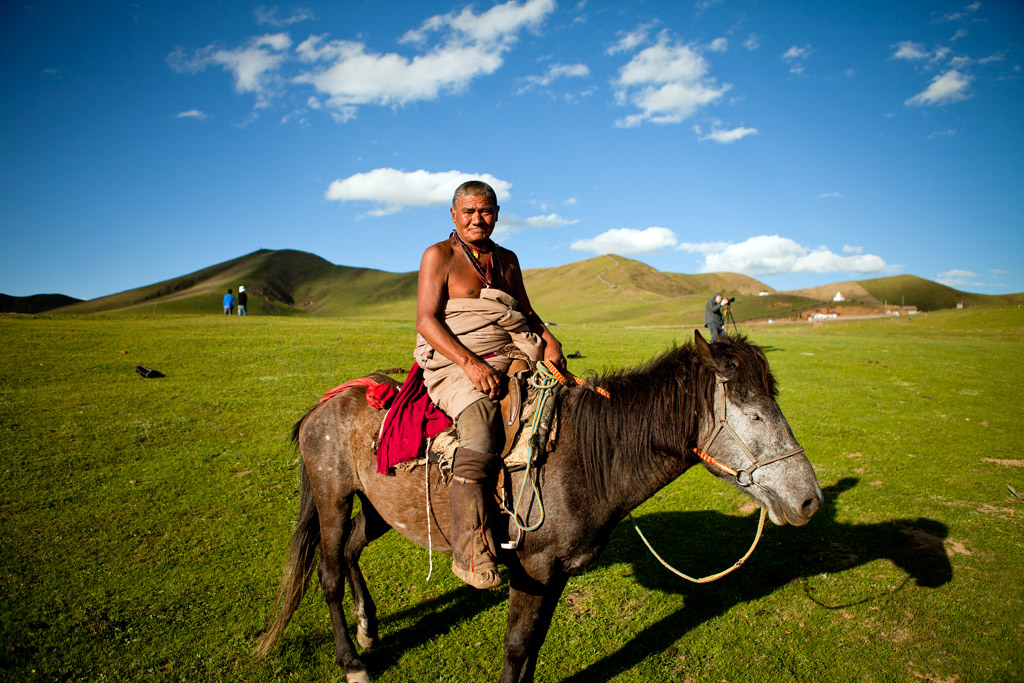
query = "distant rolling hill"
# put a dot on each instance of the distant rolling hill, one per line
(36, 303)
(899, 290)
(284, 282)
(605, 289)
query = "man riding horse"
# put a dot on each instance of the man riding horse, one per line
(471, 302)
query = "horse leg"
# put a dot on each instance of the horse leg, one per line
(531, 604)
(334, 530)
(367, 527)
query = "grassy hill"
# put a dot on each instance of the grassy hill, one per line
(284, 282)
(604, 289)
(37, 303)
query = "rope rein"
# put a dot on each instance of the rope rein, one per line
(712, 577)
(544, 380)
(430, 541)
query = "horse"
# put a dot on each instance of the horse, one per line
(713, 404)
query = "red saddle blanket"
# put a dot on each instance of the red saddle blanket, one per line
(412, 419)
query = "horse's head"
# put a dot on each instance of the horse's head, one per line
(749, 441)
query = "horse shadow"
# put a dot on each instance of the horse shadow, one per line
(824, 546)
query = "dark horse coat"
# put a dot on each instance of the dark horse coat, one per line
(612, 454)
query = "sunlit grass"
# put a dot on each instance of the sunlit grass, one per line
(143, 523)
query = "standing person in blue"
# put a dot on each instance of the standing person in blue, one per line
(243, 301)
(713, 318)
(229, 303)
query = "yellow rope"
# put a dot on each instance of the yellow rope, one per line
(713, 577)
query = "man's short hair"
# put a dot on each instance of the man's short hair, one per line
(475, 188)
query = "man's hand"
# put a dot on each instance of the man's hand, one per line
(553, 353)
(486, 379)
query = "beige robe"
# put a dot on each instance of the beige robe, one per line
(484, 326)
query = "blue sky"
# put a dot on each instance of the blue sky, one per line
(798, 143)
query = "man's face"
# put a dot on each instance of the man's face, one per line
(474, 217)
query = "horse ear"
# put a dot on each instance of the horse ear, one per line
(703, 350)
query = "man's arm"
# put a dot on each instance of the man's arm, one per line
(430, 301)
(552, 347)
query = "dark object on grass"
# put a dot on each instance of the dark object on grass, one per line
(575, 355)
(611, 455)
(148, 373)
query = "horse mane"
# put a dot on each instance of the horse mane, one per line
(652, 421)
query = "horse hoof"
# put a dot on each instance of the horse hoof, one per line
(358, 677)
(365, 640)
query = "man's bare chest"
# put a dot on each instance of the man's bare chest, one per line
(466, 281)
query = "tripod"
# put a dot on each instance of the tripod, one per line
(729, 319)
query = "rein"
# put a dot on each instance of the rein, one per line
(743, 478)
(544, 380)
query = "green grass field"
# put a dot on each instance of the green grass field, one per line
(143, 523)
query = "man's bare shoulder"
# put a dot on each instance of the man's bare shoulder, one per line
(442, 249)
(508, 255)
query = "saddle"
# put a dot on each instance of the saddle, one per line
(518, 406)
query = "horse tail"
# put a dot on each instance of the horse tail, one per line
(298, 568)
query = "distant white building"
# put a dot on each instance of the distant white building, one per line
(839, 297)
(764, 292)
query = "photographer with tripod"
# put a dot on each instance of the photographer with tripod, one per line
(714, 319)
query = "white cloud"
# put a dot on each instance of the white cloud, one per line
(958, 278)
(667, 82)
(499, 23)
(630, 40)
(911, 51)
(269, 16)
(719, 45)
(796, 52)
(795, 57)
(473, 46)
(253, 66)
(346, 74)
(942, 134)
(509, 223)
(830, 195)
(394, 190)
(553, 73)
(192, 114)
(359, 77)
(728, 136)
(775, 255)
(628, 241)
(552, 220)
(702, 247)
(997, 57)
(966, 15)
(948, 87)
(752, 42)
(705, 5)
(848, 249)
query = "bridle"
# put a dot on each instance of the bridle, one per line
(743, 477)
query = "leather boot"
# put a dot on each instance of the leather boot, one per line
(473, 551)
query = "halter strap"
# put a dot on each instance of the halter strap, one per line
(744, 477)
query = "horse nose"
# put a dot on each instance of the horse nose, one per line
(810, 506)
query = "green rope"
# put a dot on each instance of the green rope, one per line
(543, 381)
